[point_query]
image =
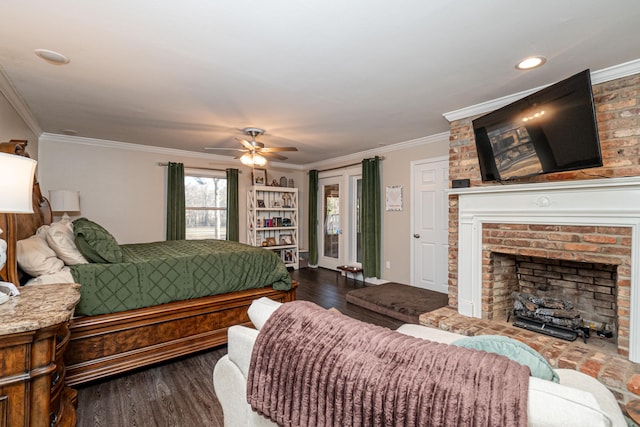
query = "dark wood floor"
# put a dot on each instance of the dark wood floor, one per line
(180, 393)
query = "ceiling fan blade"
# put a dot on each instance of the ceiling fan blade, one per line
(274, 149)
(224, 148)
(272, 155)
(246, 144)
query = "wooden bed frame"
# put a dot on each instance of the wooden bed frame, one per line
(109, 344)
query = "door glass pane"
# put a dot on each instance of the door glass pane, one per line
(331, 218)
(358, 233)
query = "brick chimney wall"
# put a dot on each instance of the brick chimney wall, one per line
(618, 115)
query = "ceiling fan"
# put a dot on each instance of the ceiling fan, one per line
(255, 152)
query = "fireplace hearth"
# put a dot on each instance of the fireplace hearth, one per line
(592, 221)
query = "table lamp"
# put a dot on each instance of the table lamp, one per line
(16, 189)
(64, 201)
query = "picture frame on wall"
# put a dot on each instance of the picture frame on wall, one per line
(393, 199)
(259, 176)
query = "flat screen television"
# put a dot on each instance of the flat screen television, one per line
(552, 130)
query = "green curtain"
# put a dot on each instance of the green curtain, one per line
(176, 228)
(370, 217)
(233, 215)
(313, 217)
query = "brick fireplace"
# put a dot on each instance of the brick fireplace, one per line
(592, 215)
(591, 221)
(576, 263)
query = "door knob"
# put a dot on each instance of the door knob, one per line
(416, 235)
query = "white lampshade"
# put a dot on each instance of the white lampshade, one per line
(16, 183)
(64, 200)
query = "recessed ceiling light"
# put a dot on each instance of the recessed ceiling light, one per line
(531, 62)
(52, 57)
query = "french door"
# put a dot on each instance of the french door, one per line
(338, 225)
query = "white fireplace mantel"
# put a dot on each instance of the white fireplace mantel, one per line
(602, 202)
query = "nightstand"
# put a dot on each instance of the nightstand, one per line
(34, 333)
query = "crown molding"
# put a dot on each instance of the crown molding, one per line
(357, 157)
(104, 143)
(18, 103)
(607, 74)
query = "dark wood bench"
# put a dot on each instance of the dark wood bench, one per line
(353, 269)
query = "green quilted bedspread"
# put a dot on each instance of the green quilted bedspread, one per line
(162, 272)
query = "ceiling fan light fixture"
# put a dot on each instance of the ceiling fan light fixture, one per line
(253, 159)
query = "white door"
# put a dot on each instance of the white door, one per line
(430, 210)
(330, 222)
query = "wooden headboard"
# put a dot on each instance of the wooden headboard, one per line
(20, 226)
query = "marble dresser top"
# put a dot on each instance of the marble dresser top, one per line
(38, 306)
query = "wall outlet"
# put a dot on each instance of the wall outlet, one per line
(388, 264)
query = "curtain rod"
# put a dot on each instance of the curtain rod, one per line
(199, 167)
(346, 166)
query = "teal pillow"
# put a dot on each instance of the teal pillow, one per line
(514, 350)
(95, 243)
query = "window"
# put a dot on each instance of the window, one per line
(205, 205)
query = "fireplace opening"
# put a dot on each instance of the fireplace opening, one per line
(558, 295)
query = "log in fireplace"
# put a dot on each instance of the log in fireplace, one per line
(554, 317)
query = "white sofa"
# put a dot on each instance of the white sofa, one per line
(578, 400)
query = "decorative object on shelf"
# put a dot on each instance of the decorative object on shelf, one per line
(283, 181)
(394, 198)
(260, 203)
(274, 183)
(259, 222)
(288, 256)
(286, 239)
(286, 200)
(286, 222)
(275, 204)
(271, 241)
(259, 176)
(290, 182)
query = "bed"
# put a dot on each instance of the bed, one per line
(106, 341)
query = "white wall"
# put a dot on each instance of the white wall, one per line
(121, 185)
(395, 170)
(123, 188)
(397, 234)
(13, 127)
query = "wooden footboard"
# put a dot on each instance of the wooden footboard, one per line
(105, 345)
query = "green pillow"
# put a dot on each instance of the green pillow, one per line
(514, 350)
(96, 243)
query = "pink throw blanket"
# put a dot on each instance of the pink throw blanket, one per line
(312, 367)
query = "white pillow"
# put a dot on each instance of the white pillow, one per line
(555, 405)
(260, 310)
(62, 276)
(60, 238)
(36, 258)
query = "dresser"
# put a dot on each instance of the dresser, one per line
(34, 333)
